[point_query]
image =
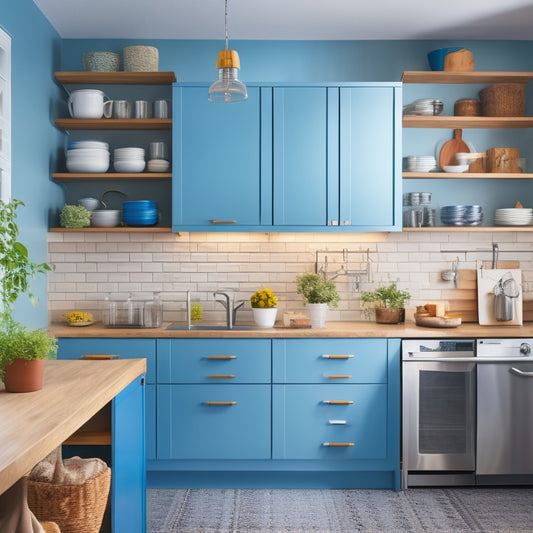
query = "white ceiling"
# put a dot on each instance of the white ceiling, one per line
(292, 19)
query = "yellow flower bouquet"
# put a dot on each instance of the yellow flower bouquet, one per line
(264, 299)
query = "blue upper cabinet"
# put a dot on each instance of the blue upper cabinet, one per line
(370, 157)
(305, 157)
(217, 176)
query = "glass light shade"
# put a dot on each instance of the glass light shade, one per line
(228, 88)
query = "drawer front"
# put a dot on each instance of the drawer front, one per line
(213, 422)
(126, 348)
(213, 360)
(329, 422)
(329, 361)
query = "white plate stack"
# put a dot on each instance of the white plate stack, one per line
(128, 159)
(88, 156)
(424, 163)
(513, 216)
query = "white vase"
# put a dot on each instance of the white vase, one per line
(317, 314)
(265, 318)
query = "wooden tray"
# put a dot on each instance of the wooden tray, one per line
(437, 321)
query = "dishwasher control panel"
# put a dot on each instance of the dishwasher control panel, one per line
(518, 348)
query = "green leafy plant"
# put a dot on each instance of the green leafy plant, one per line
(388, 297)
(264, 299)
(16, 269)
(74, 216)
(317, 290)
(18, 342)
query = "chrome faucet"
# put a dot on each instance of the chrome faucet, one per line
(230, 306)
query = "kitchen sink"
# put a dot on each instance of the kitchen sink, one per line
(207, 327)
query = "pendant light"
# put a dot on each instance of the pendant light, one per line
(228, 88)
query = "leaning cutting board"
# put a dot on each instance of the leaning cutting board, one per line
(450, 148)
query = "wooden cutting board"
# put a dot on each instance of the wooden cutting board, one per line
(463, 300)
(450, 148)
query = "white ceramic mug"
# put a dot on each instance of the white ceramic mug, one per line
(86, 103)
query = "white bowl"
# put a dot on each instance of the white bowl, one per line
(105, 218)
(158, 165)
(129, 165)
(128, 151)
(76, 145)
(455, 168)
(87, 165)
(465, 158)
(89, 203)
(87, 152)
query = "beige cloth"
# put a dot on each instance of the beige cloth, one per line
(15, 515)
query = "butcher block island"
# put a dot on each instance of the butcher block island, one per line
(75, 395)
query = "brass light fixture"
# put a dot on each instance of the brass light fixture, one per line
(228, 88)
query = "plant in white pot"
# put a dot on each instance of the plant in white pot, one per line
(264, 309)
(388, 302)
(318, 294)
(22, 351)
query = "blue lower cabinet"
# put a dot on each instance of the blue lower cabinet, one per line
(213, 422)
(330, 422)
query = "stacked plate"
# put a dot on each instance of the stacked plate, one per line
(87, 156)
(140, 213)
(513, 216)
(128, 159)
(424, 106)
(461, 215)
(424, 163)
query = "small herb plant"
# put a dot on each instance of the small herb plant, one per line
(74, 216)
(317, 290)
(388, 297)
(264, 299)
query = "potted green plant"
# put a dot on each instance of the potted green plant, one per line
(388, 302)
(318, 294)
(22, 351)
(264, 307)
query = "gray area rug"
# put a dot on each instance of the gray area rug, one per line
(419, 510)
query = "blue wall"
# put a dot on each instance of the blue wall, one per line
(36, 51)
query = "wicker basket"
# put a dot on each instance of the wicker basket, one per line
(467, 107)
(74, 508)
(503, 100)
(140, 58)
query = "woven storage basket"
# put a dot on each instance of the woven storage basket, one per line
(74, 508)
(140, 58)
(503, 100)
(467, 107)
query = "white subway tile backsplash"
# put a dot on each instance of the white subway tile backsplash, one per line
(90, 265)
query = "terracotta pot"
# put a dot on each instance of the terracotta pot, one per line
(24, 376)
(390, 316)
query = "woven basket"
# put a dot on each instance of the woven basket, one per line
(74, 508)
(140, 58)
(467, 107)
(503, 100)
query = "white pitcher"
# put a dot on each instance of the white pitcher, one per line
(86, 103)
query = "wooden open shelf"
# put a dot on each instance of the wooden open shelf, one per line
(118, 229)
(467, 175)
(69, 177)
(96, 431)
(440, 121)
(112, 78)
(433, 76)
(114, 123)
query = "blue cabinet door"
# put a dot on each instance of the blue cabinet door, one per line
(304, 132)
(213, 421)
(217, 174)
(370, 157)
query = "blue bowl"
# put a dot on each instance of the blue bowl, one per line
(146, 219)
(139, 205)
(436, 57)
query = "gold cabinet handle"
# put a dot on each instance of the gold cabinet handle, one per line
(221, 357)
(337, 356)
(221, 222)
(221, 403)
(339, 376)
(338, 402)
(338, 444)
(222, 376)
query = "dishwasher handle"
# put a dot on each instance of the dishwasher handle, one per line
(519, 372)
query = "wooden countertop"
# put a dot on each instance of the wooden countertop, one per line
(332, 329)
(35, 423)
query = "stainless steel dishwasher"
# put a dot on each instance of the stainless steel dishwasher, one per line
(505, 411)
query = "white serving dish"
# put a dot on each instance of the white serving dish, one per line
(105, 218)
(129, 165)
(87, 165)
(88, 152)
(455, 168)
